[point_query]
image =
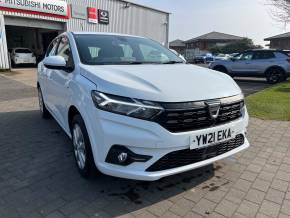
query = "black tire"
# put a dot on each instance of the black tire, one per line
(88, 168)
(43, 110)
(275, 75)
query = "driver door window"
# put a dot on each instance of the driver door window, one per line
(52, 48)
(247, 56)
(64, 51)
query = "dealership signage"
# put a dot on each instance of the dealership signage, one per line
(53, 8)
(103, 16)
(79, 12)
(92, 15)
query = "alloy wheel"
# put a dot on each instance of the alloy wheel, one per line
(79, 146)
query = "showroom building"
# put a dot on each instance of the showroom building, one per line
(34, 23)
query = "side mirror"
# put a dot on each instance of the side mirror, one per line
(55, 62)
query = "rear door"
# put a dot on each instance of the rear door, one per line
(261, 60)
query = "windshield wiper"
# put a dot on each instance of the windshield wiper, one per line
(173, 62)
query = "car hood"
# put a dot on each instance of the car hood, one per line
(163, 83)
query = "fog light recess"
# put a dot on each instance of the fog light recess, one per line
(120, 155)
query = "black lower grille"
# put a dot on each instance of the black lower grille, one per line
(185, 157)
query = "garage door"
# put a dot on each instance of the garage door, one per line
(24, 22)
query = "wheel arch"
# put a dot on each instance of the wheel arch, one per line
(274, 67)
(220, 66)
(71, 113)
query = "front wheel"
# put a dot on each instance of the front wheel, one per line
(82, 147)
(274, 76)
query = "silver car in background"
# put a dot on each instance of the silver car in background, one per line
(272, 64)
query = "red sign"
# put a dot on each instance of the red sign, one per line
(92, 15)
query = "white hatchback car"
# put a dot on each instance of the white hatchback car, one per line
(22, 56)
(135, 110)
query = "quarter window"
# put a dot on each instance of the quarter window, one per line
(260, 55)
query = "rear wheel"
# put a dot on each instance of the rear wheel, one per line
(82, 147)
(275, 75)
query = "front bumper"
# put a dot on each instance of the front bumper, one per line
(148, 138)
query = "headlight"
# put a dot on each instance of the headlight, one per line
(126, 106)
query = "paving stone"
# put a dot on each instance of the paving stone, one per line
(266, 176)
(248, 208)
(261, 185)
(275, 196)
(260, 215)
(160, 208)
(249, 176)
(182, 207)
(238, 215)
(270, 209)
(255, 196)
(192, 215)
(286, 207)
(243, 185)
(204, 207)
(216, 215)
(281, 215)
(236, 196)
(280, 185)
(215, 196)
(226, 208)
(169, 214)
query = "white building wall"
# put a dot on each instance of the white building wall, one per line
(4, 64)
(135, 20)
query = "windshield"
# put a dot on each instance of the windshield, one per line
(111, 49)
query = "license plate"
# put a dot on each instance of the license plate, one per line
(211, 138)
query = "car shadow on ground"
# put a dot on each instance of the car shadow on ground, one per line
(37, 168)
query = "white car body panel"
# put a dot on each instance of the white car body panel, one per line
(162, 83)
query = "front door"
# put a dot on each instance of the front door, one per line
(59, 81)
(243, 65)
